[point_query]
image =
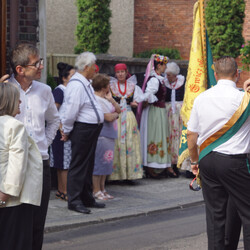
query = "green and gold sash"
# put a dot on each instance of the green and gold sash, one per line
(229, 129)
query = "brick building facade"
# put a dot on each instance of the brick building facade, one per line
(21, 21)
(170, 26)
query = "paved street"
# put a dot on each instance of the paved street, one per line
(174, 229)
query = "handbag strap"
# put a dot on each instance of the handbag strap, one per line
(91, 101)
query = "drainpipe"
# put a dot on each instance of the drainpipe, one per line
(3, 30)
(14, 14)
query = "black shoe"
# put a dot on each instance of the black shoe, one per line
(79, 208)
(96, 205)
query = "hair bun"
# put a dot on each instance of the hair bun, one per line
(61, 66)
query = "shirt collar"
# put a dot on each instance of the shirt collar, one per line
(82, 78)
(226, 82)
(14, 80)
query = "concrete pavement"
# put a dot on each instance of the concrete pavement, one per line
(147, 196)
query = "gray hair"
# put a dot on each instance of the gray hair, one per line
(85, 59)
(172, 68)
(9, 98)
(20, 55)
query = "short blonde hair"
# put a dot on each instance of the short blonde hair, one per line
(225, 66)
(9, 99)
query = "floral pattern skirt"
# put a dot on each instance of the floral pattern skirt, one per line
(157, 133)
(104, 156)
(127, 158)
(174, 130)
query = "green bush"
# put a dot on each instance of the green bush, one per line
(51, 81)
(93, 28)
(171, 53)
(245, 56)
(224, 21)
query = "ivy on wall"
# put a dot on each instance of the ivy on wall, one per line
(93, 28)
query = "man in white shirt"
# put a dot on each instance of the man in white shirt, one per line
(222, 160)
(82, 122)
(40, 117)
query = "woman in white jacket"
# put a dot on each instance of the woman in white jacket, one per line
(20, 174)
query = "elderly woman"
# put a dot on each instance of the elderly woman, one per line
(20, 174)
(127, 158)
(156, 158)
(60, 153)
(175, 84)
(106, 142)
(82, 120)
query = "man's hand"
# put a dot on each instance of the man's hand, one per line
(246, 85)
(195, 169)
(64, 136)
(4, 197)
(4, 78)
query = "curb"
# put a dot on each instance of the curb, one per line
(58, 228)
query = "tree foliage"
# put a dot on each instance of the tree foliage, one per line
(93, 28)
(224, 19)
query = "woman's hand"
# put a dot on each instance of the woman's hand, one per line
(109, 97)
(134, 104)
(4, 78)
(246, 85)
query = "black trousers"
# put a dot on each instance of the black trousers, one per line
(225, 176)
(41, 211)
(233, 226)
(16, 227)
(83, 143)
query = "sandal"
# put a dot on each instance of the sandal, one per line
(100, 196)
(61, 195)
(107, 195)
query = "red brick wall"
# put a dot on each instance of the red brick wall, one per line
(168, 23)
(27, 21)
(246, 26)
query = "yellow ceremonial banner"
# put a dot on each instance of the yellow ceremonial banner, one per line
(197, 69)
(197, 74)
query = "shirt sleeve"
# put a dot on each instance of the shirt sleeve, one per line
(52, 119)
(17, 161)
(151, 90)
(74, 99)
(138, 94)
(58, 95)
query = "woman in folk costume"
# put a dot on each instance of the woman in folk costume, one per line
(153, 121)
(127, 157)
(175, 84)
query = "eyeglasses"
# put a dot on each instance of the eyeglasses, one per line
(36, 64)
(194, 186)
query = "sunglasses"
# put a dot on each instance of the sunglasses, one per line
(194, 186)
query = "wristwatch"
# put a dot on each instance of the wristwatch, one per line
(2, 203)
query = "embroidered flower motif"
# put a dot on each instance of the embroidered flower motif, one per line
(160, 144)
(152, 149)
(162, 153)
(129, 151)
(134, 130)
(108, 156)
